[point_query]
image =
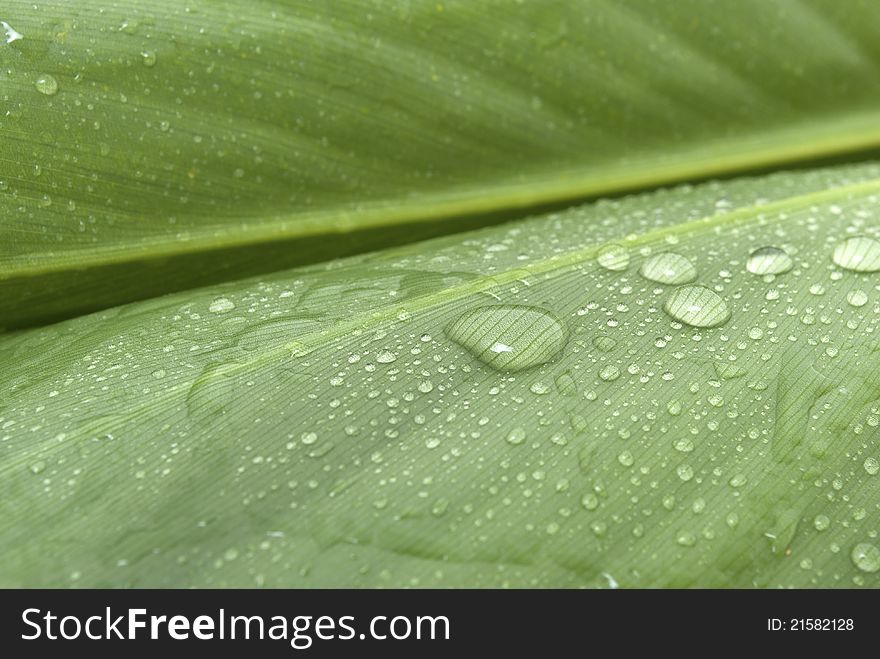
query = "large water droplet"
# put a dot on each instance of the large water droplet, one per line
(769, 261)
(866, 557)
(668, 268)
(516, 436)
(46, 84)
(860, 254)
(697, 306)
(510, 337)
(857, 298)
(613, 257)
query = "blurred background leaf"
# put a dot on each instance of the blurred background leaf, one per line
(153, 147)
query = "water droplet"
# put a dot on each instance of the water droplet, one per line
(668, 268)
(439, 508)
(684, 444)
(46, 84)
(386, 357)
(590, 501)
(697, 306)
(769, 261)
(609, 372)
(625, 458)
(860, 254)
(686, 539)
(604, 343)
(821, 522)
(872, 466)
(510, 337)
(566, 384)
(38, 467)
(426, 386)
(11, 33)
(221, 305)
(148, 57)
(857, 298)
(685, 472)
(540, 388)
(613, 257)
(728, 370)
(516, 436)
(866, 557)
(737, 480)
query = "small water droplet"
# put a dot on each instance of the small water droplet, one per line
(510, 337)
(697, 306)
(439, 508)
(859, 254)
(866, 557)
(686, 539)
(148, 57)
(609, 372)
(857, 298)
(221, 305)
(386, 357)
(685, 472)
(590, 501)
(613, 257)
(668, 268)
(604, 343)
(625, 458)
(38, 467)
(872, 466)
(683, 444)
(46, 84)
(821, 522)
(540, 388)
(769, 261)
(516, 436)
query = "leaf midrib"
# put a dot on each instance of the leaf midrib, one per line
(744, 153)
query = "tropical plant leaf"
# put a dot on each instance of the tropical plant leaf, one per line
(152, 146)
(517, 406)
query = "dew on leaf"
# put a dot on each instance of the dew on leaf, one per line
(510, 337)
(859, 254)
(609, 372)
(221, 305)
(386, 357)
(668, 268)
(613, 257)
(866, 557)
(857, 298)
(769, 261)
(697, 306)
(516, 436)
(46, 84)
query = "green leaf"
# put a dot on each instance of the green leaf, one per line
(517, 406)
(150, 147)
